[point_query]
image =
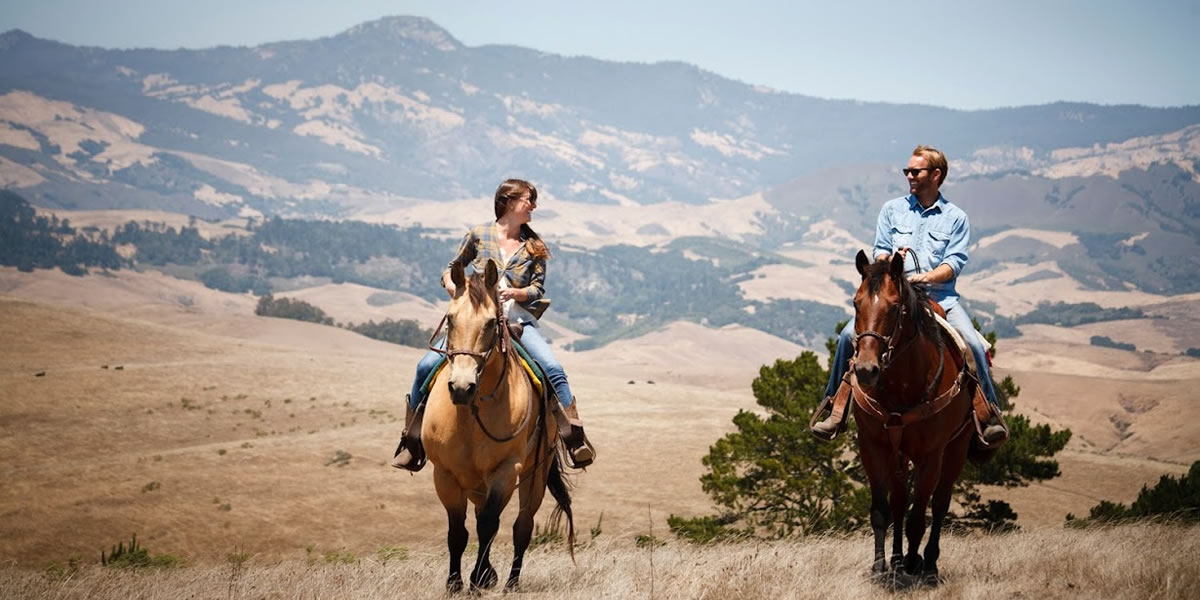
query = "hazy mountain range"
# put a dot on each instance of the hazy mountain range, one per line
(396, 111)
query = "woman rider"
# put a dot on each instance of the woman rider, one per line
(520, 255)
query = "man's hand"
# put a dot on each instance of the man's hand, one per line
(941, 274)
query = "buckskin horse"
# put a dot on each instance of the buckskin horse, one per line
(485, 431)
(912, 403)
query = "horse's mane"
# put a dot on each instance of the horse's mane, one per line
(914, 298)
(479, 292)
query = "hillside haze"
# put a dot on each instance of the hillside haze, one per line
(398, 108)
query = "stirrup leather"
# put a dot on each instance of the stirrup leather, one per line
(570, 431)
(838, 407)
(991, 417)
(410, 439)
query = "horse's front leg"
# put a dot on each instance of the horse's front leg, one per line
(531, 491)
(487, 522)
(874, 459)
(927, 475)
(898, 475)
(455, 500)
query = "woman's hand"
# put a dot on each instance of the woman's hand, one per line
(450, 289)
(517, 294)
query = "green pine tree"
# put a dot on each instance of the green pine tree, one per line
(772, 478)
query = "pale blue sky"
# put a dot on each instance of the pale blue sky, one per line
(965, 55)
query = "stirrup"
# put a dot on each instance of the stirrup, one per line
(994, 425)
(410, 443)
(580, 452)
(838, 405)
(416, 455)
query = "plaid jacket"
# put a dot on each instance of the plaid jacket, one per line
(522, 271)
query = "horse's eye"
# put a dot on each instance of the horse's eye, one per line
(491, 323)
(449, 321)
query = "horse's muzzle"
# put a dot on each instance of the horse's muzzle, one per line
(867, 372)
(463, 394)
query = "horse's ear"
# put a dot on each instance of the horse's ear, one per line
(861, 261)
(897, 267)
(457, 275)
(491, 275)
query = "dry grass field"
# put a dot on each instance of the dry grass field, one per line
(1142, 561)
(170, 410)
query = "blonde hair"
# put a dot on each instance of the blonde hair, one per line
(513, 190)
(935, 158)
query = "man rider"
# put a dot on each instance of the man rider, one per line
(937, 234)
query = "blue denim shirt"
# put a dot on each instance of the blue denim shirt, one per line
(938, 235)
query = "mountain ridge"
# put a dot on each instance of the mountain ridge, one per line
(399, 102)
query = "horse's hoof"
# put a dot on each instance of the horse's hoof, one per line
(912, 564)
(879, 567)
(929, 577)
(897, 562)
(512, 584)
(486, 579)
(454, 584)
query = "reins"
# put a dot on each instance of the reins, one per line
(504, 341)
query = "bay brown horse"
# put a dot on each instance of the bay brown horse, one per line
(485, 431)
(912, 405)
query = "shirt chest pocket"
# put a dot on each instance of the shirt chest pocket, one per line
(520, 272)
(902, 237)
(938, 241)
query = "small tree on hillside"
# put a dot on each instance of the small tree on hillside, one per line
(1024, 458)
(775, 479)
(287, 308)
(1172, 498)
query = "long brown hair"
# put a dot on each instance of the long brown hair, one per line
(513, 190)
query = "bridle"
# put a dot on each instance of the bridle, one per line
(500, 340)
(890, 349)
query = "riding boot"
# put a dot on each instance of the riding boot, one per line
(989, 425)
(570, 430)
(835, 423)
(410, 454)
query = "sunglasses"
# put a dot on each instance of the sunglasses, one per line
(915, 172)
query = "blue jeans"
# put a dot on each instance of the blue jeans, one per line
(955, 315)
(534, 344)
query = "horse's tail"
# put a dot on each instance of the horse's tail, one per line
(561, 491)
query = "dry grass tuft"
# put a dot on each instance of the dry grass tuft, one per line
(1132, 561)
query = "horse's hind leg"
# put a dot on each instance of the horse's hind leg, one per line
(956, 457)
(531, 491)
(487, 523)
(455, 501)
